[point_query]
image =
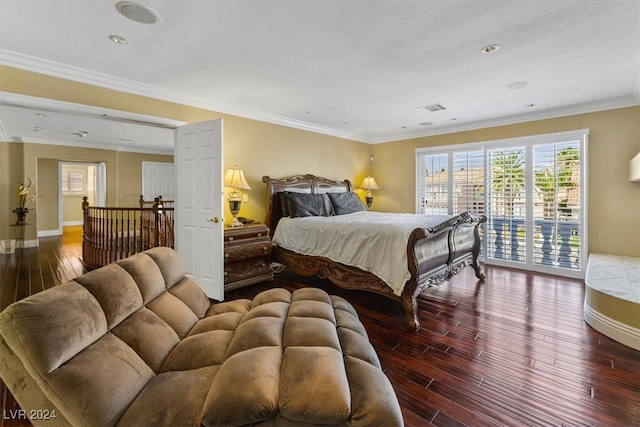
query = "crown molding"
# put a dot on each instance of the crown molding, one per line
(81, 75)
(553, 113)
(97, 146)
(54, 105)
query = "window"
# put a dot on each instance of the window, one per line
(506, 201)
(73, 182)
(531, 189)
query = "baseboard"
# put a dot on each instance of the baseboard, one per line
(49, 233)
(615, 330)
(28, 244)
(72, 223)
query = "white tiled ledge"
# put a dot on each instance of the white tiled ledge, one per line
(614, 275)
(612, 297)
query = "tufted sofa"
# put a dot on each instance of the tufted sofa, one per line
(138, 343)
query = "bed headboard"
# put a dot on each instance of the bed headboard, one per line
(297, 184)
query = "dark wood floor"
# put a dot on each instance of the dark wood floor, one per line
(511, 351)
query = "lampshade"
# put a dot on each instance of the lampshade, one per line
(369, 183)
(234, 178)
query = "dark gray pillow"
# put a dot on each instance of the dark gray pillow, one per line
(303, 204)
(284, 203)
(345, 203)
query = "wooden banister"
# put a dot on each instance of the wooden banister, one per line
(111, 234)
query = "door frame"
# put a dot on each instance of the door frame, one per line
(100, 188)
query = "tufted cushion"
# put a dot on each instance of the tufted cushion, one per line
(305, 349)
(157, 403)
(373, 400)
(192, 295)
(172, 267)
(138, 343)
(100, 382)
(56, 332)
(146, 273)
(246, 389)
(314, 386)
(118, 300)
(174, 312)
(198, 351)
(149, 336)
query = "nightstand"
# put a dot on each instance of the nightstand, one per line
(247, 256)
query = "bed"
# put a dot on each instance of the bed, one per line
(433, 252)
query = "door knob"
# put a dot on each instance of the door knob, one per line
(214, 219)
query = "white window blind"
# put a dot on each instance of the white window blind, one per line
(73, 182)
(557, 204)
(506, 204)
(77, 182)
(434, 186)
(532, 190)
(467, 178)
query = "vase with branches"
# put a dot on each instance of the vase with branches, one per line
(22, 210)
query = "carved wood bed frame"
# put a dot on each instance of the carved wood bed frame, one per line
(434, 254)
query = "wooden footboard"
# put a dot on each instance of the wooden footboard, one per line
(434, 254)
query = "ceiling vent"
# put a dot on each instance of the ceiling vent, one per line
(433, 107)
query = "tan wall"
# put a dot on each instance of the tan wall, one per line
(11, 176)
(48, 190)
(40, 163)
(71, 209)
(256, 147)
(614, 202)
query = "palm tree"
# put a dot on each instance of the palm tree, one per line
(547, 182)
(545, 185)
(508, 177)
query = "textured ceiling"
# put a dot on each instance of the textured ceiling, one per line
(356, 69)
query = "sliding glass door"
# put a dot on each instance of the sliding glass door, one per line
(532, 190)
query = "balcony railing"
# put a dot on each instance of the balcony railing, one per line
(556, 242)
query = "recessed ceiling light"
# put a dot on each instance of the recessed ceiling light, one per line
(531, 105)
(39, 129)
(426, 123)
(490, 48)
(137, 12)
(41, 115)
(118, 39)
(517, 85)
(81, 133)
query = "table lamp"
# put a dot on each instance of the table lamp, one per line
(369, 183)
(234, 179)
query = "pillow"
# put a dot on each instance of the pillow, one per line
(345, 203)
(304, 204)
(284, 203)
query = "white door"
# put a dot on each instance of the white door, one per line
(158, 179)
(198, 208)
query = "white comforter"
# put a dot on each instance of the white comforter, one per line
(372, 241)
